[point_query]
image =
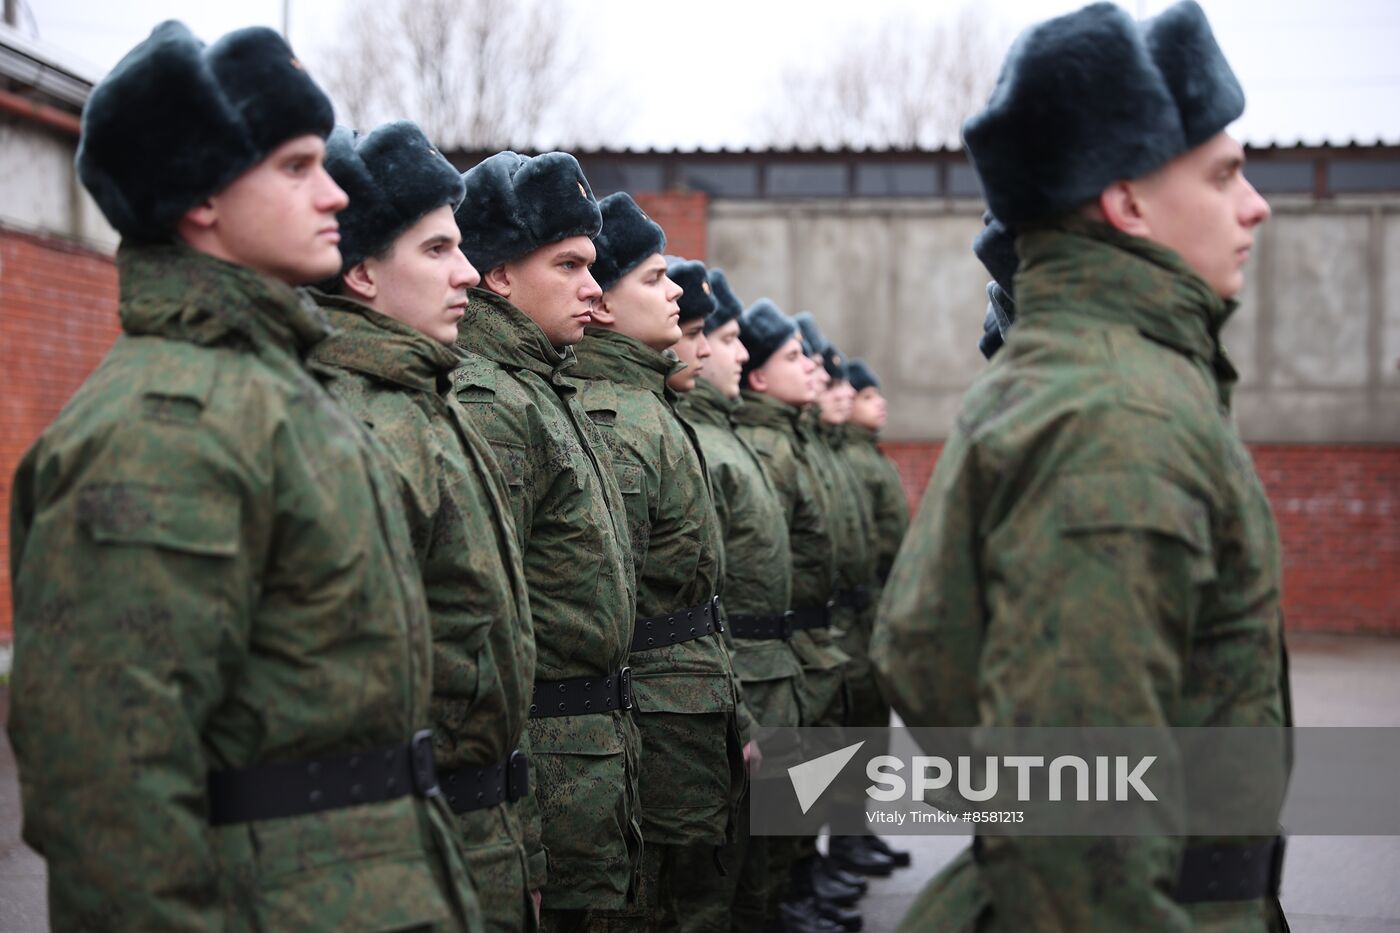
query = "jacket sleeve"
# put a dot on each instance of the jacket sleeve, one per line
(133, 590)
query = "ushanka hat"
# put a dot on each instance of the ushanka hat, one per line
(177, 121)
(996, 247)
(834, 362)
(763, 329)
(861, 376)
(515, 204)
(628, 238)
(1093, 97)
(697, 297)
(813, 343)
(728, 307)
(394, 177)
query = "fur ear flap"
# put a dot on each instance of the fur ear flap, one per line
(1091, 98)
(628, 237)
(393, 176)
(763, 329)
(728, 307)
(515, 204)
(176, 122)
(697, 296)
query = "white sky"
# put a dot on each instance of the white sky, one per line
(1313, 70)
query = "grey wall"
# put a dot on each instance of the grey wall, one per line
(41, 190)
(1316, 339)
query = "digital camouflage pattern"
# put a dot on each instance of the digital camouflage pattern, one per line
(396, 381)
(212, 571)
(692, 768)
(757, 581)
(884, 490)
(757, 555)
(770, 427)
(1094, 549)
(572, 526)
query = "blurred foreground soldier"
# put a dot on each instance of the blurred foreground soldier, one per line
(223, 656)
(692, 762)
(1095, 547)
(396, 307)
(778, 385)
(528, 225)
(757, 583)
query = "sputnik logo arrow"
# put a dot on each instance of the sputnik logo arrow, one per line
(811, 778)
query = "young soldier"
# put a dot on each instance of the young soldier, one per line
(222, 663)
(1094, 524)
(692, 762)
(757, 579)
(877, 473)
(395, 307)
(528, 224)
(778, 385)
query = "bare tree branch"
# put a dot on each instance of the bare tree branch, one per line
(901, 84)
(474, 74)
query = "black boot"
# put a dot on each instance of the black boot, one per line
(802, 917)
(900, 857)
(851, 855)
(847, 917)
(829, 868)
(809, 881)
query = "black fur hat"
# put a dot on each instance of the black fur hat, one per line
(697, 297)
(861, 376)
(177, 121)
(515, 204)
(1090, 98)
(628, 238)
(763, 329)
(813, 343)
(728, 307)
(834, 362)
(393, 176)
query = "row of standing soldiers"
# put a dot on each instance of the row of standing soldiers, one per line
(441, 594)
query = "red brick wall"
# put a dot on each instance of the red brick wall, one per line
(1338, 514)
(684, 216)
(58, 317)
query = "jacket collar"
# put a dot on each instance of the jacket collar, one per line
(366, 341)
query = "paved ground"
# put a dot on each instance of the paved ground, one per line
(1332, 884)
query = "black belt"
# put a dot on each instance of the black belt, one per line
(772, 626)
(819, 617)
(857, 598)
(578, 696)
(676, 627)
(480, 788)
(1230, 873)
(294, 788)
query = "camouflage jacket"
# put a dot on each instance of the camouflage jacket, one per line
(1094, 549)
(686, 792)
(770, 427)
(572, 525)
(884, 490)
(852, 524)
(212, 572)
(396, 381)
(757, 554)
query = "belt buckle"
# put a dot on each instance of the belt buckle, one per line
(421, 765)
(789, 623)
(517, 775)
(714, 613)
(624, 680)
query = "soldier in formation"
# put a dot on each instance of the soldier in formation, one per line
(452, 591)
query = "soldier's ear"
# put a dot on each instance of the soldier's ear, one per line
(498, 280)
(603, 313)
(1120, 206)
(359, 282)
(757, 381)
